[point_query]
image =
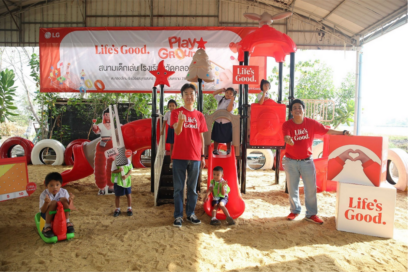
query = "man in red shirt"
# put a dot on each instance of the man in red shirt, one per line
(188, 154)
(298, 161)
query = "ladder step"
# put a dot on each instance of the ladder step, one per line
(166, 170)
(165, 193)
(164, 201)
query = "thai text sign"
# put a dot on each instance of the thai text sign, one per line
(118, 59)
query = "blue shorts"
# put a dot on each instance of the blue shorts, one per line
(170, 135)
(43, 215)
(120, 191)
(222, 133)
(222, 199)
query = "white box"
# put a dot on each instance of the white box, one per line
(365, 209)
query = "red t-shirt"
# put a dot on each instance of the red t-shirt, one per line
(187, 145)
(302, 135)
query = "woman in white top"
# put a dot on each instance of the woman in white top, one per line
(222, 129)
(171, 105)
(264, 94)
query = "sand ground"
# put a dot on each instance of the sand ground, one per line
(261, 241)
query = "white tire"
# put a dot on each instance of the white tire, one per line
(267, 153)
(317, 151)
(47, 143)
(400, 159)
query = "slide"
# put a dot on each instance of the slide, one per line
(137, 136)
(235, 205)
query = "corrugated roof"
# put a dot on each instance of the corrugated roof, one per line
(324, 24)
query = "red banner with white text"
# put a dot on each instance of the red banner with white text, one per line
(118, 59)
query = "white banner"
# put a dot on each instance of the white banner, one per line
(119, 59)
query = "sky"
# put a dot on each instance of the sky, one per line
(384, 82)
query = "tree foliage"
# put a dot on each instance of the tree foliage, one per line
(314, 80)
(7, 95)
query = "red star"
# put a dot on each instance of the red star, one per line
(161, 75)
(201, 44)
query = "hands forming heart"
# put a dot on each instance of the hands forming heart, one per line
(354, 155)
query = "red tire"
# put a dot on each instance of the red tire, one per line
(7, 146)
(68, 155)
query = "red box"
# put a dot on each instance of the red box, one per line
(266, 124)
(358, 159)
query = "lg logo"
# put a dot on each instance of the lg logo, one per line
(48, 35)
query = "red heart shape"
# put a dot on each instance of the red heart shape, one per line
(233, 47)
(194, 62)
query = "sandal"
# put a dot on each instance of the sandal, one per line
(228, 151)
(47, 232)
(116, 213)
(70, 227)
(215, 152)
(215, 222)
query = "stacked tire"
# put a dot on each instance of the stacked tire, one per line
(7, 146)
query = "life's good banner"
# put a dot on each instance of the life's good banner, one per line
(119, 59)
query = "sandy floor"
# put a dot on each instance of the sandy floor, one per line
(262, 241)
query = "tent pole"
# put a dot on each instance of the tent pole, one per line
(358, 96)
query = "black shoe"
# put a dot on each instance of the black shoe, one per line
(129, 212)
(193, 219)
(230, 221)
(49, 233)
(178, 222)
(215, 222)
(116, 213)
(70, 229)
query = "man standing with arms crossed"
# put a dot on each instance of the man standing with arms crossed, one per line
(188, 154)
(298, 161)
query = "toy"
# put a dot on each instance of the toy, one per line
(59, 225)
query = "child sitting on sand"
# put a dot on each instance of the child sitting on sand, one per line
(122, 184)
(220, 189)
(48, 202)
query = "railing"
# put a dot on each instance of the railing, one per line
(158, 162)
(319, 110)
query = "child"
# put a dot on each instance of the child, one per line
(220, 189)
(122, 184)
(171, 105)
(48, 202)
(264, 94)
(222, 129)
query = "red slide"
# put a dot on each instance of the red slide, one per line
(235, 205)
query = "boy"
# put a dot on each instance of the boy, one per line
(122, 183)
(48, 202)
(220, 189)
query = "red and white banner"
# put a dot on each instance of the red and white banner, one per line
(118, 59)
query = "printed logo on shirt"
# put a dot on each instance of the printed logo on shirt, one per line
(191, 122)
(301, 134)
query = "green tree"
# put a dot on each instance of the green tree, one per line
(314, 80)
(7, 95)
